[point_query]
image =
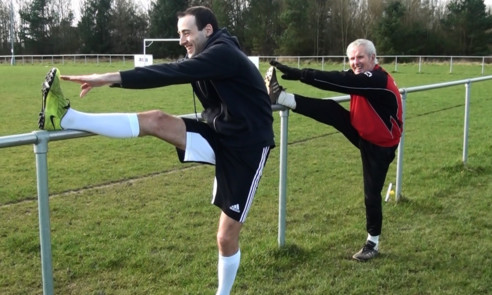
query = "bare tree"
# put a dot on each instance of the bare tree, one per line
(345, 12)
(5, 27)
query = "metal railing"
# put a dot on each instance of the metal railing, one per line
(40, 140)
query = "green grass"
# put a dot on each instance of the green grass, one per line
(128, 218)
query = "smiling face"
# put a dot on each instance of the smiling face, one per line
(360, 60)
(190, 37)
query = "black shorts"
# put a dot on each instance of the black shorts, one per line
(237, 171)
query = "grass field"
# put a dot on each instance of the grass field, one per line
(128, 218)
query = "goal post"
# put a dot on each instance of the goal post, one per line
(145, 59)
(148, 41)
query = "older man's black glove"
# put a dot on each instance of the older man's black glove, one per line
(288, 72)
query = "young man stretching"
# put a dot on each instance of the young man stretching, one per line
(236, 133)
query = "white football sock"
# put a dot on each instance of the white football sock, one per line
(227, 270)
(374, 239)
(118, 125)
(287, 99)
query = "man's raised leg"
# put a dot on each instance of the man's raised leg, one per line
(56, 114)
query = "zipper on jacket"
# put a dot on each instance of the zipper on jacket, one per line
(218, 115)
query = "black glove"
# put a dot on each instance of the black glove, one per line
(288, 72)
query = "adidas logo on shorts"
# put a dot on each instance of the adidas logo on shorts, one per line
(235, 208)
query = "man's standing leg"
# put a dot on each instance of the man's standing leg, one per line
(375, 164)
(229, 252)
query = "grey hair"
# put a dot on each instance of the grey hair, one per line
(367, 44)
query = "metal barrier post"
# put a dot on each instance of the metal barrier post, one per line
(282, 194)
(483, 65)
(467, 113)
(41, 149)
(399, 162)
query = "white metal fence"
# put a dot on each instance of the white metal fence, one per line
(40, 140)
(66, 58)
(421, 60)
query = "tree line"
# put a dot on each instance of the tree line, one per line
(263, 27)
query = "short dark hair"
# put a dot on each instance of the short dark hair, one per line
(203, 16)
